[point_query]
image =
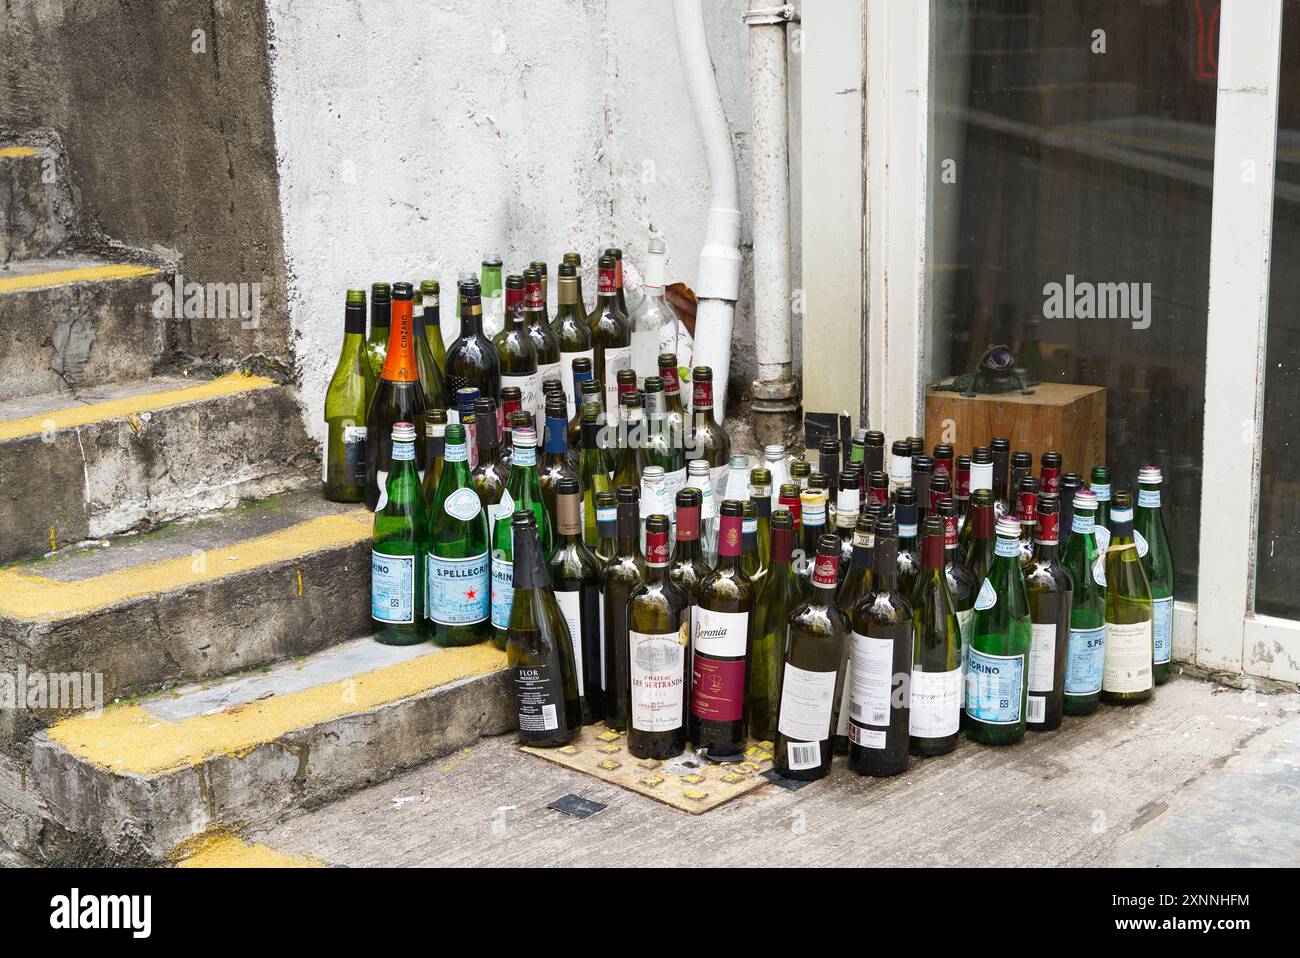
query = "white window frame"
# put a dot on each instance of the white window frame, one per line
(891, 61)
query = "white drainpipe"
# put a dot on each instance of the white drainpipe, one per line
(717, 284)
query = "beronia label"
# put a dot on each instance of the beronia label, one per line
(458, 589)
(571, 608)
(1162, 627)
(1084, 662)
(718, 665)
(995, 687)
(658, 672)
(392, 588)
(935, 703)
(1127, 665)
(807, 700)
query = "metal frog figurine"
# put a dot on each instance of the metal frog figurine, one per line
(996, 372)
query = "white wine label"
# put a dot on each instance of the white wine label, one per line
(1036, 709)
(995, 688)
(658, 667)
(866, 738)
(1162, 627)
(392, 588)
(566, 379)
(871, 672)
(1042, 657)
(462, 504)
(721, 634)
(1128, 657)
(965, 622)
(1083, 666)
(936, 703)
(900, 470)
(539, 695)
(807, 700)
(987, 598)
(981, 476)
(673, 482)
(1102, 535)
(458, 590)
(801, 755)
(616, 358)
(571, 608)
(1081, 524)
(503, 591)
(718, 480)
(1141, 543)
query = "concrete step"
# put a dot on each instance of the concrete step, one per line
(76, 321)
(36, 210)
(94, 462)
(148, 777)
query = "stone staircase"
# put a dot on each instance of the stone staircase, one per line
(164, 551)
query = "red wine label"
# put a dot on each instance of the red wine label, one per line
(943, 467)
(729, 535)
(605, 285)
(1028, 506)
(949, 531)
(1051, 479)
(826, 571)
(533, 296)
(793, 507)
(962, 485)
(702, 395)
(688, 523)
(514, 297)
(879, 494)
(717, 689)
(656, 548)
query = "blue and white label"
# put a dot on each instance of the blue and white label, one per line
(456, 451)
(987, 598)
(503, 591)
(1101, 491)
(1102, 535)
(392, 588)
(524, 456)
(463, 504)
(1084, 661)
(403, 451)
(1149, 498)
(906, 531)
(458, 589)
(1082, 523)
(1162, 624)
(995, 687)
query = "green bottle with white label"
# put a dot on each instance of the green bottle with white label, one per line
(397, 555)
(1087, 649)
(457, 579)
(997, 663)
(1158, 563)
(1100, 487)
(1130, 642)
(523, 493)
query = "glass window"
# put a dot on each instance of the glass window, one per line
(1072, 149)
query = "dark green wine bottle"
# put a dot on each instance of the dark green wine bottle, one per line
(999, 650)
(1158, 563)
(1051, 593)
(1099, 485)
(397, 556)
(381, 311)
(906, 517)
(588, 391)
(435, 388)
(472, 360)
(935, 708)
(611, 335)
(575, 578)
(606, 504)
(760, 496)
(430, 295)
(591, 473)
(1127, 675)
(687, 568)
(459, 588)
(347, 401)
(624, 572)
(555, 460)
(1087, 571)
(962, 583)
(399, 397)
(980, 545)
(776, 596)
(490, 473)
(570, 328)
(435, 451)
(539, 650)
(538, 327)
(515, 347)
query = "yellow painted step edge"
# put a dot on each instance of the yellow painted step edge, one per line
(106, 273)
(84, 414)
(221, 848)
(37, 599)
(10, 152)
(128, 740)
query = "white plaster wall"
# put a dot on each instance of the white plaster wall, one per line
(414, 136)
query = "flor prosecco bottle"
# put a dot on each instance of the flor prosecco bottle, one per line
(459, 591)
(776, 596)
(624, 573)
(1158, 564)
(575, 579)
(1087, 569)
(1050, 601)
(1130, 648)
(935, 715)
(999, 648)
(397, 556)
(399, 397)
(346, 404)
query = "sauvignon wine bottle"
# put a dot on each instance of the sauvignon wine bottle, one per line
(591, 472)
(610, 336)
(995, 668)
(539, 649)
(397, 556)
(721, 646)
(1127, 673)
(658, 623)
(571, 330)
(575, 579)
(1087, 570)
(624, 572)
(381, 311)
(1051, 593)
(458, 588)
(346, 404)
(777, 595)
(812, 679)
(547, 345)
(1158, 564)
(398, 397)
(523, 493)
(472, 360)
(935, 713)
(880, 662)
(430, 293)
(706, 439)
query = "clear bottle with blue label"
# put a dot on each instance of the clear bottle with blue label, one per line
(1158, 563)
(1087, 648)
(397, 554)
(998, 659)
(458, 590)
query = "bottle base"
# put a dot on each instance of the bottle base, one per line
(455, 637)
(994, 735)
(389, 636)
(1126, 698)
(930, 747)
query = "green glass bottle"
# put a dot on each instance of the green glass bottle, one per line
(704, 438)
(523, 493)
(539, 649)
(490, 473)
(962, 583)
(397, 555)
(996, 664)
(663, 446)
(399, 397)
(1087, 570)
(606, 527)
(571, 329)
(1158, 564)
(588, 391)
(1130, 636)
(857, 581)
(538, 327)
(515, 347)
(980, 545)
(630, 461)
(1099, 485)
(435, 450)
(1050, 602)
(430, 294)
(935, 713)
(812, 676)
(611, 335)
(472, 361)
(381, 311)
(907, 518)
(493, 300)
(776, 596)
(688, 568)
(749, 542)
(624, 572)
(591, 473)
(346, 402)
(459, 587)
(760, 495)
(575, 578)
(426, 362)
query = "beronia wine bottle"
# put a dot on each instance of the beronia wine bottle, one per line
(539, 650)
(1158, 564)
(611, 335)
(397, 556)
(776, 596)
(459, 591)
(399, 397)
(1130, 646)
(1087, 570)
(721, 646)
(935, 715)
(347, 401)
(812, 681)
(1051, 594)
(575, 579)
(880, 663)
(571, 329)
(706, 439)
(995, 667)
(624, 572)
(471, 359)
(658, 624)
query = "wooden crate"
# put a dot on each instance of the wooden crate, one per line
(1058, 417)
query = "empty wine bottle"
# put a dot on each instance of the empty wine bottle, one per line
(591, 472)
(1069, 484)
(962, 584)
(944, 463)
(539, 649)
(812, 519)
(812, 679)
(1087, 651)
(909, 553)
(587, 390)
(458, 589)
(512, 401)
(545, 343)
(674, 411)
(430, 294)
(472, 359)
(1027, 515)
(399, 397)
(663, 445)
(698, 477)
(775, 597)
(873, 452)
(687, 568)
(1099, 485)
(555, 462)
(435, 450)
(624, 572)
(606, 526)
(1050, 476)
(463, 413)
(490, 474)
(900, 464)
(575, 579)
(620, 298)
(523, 493)
(760, 495)
(346, 403)
(705, 438)
(1000, 449)
(1050, 601)
(570, 328)
(1127, 674)
(611, 335)
(631, 454)
(381, 310)
(935, 708)
(426, 362)
(397, 555)
(846, 519)
(515, 349)
(980, 542)
(1022, 466)
(658, 622)
(961, 490)
(880, 663)
(996, 663)
(1158, 564)
(922, 473)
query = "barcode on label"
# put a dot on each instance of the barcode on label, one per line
(870, 716)
(549, 718)
(805, 755)
(1037, 710)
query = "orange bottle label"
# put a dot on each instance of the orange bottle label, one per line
(399, 361)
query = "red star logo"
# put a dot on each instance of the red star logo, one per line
(471, 594)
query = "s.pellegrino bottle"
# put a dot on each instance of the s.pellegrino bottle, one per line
(397, 555)
(777, 595)
(539, 650)
(812, 677)
(880, 664)
(346, 403)
(1087, 651)
(1127, 675)
(523, 494)
(658, 628)
(458, 590)
(721, 646)
(399, 397)
(935, 713)
(1099, 485)
(624, 572)
(996, 664)
(1051, 593)
(1158, 564)
(575, 579)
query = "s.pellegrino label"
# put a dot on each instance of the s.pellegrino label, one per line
(458, 589)
(994, 687)
(1085, 660)
(503, 591)
(1162, 627)
(392, 588)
